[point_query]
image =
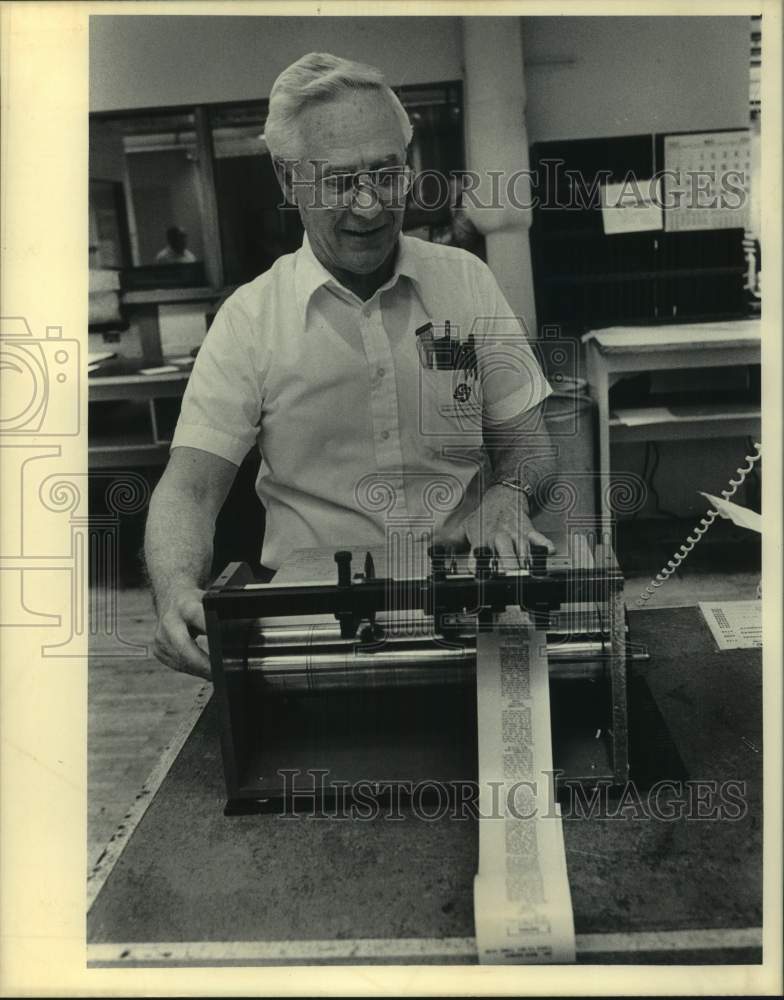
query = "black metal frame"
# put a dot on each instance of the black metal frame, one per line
(354, 600)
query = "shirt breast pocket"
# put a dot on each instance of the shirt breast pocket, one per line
(450, 407)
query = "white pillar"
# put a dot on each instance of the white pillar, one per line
(497, 140)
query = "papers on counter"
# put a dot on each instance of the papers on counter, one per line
(160, 370)
(734, 624)
(96, 357)
(638, 417)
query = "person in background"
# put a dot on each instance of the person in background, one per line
(176, 250)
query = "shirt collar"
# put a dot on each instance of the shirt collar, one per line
(311, 274)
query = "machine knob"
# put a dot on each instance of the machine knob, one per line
(483, 555)
(343, 559)
(539, 560)
(438, 554)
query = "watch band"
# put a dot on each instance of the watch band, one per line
(517, 484)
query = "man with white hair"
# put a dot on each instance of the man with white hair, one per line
(380, 376)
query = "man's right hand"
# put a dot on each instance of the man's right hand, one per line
(178, 551)
(179, 622)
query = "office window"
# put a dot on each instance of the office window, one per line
(436, 152)
(158, 161)
(163, 174)
(255, 226)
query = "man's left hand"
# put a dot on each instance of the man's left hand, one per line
(502, 523)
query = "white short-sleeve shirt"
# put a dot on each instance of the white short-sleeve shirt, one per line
(368, 415)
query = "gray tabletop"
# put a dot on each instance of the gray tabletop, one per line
(192, 882)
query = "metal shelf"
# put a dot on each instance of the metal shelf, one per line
(692, 422)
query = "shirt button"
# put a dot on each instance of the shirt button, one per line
(385, 435)
(381, 372)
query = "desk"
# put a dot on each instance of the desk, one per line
(612, 354)
(136, 439)
(181, 884)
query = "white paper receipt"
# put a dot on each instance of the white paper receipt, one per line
(522, 903)
(734, 624)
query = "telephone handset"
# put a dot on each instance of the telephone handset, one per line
(691, 540)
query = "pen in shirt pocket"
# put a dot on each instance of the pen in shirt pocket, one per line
(466, 358)
(426, 346)
(440, 353)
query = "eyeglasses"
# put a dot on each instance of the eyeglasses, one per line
(388, 184)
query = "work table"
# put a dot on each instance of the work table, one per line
(182, 884)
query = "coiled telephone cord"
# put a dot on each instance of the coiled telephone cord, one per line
(691, 540)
